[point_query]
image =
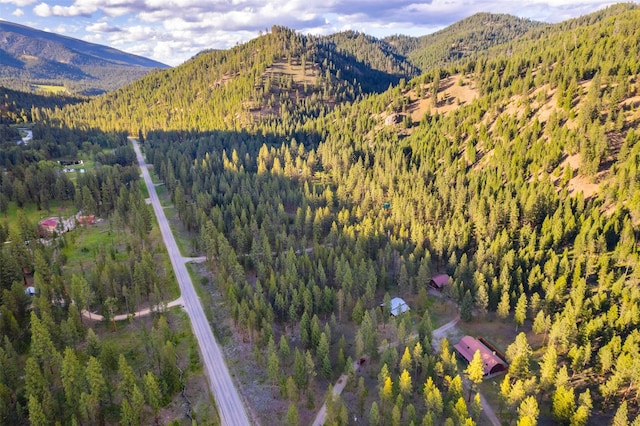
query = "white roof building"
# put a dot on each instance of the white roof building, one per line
(398, 306)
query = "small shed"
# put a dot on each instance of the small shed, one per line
(439, 281)
(86, 220)
(468, 346)
(30, 291)
(398, 306)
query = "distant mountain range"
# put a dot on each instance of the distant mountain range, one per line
(30, 58)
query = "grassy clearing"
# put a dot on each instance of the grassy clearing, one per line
(85, 242)
(33, 215)
(163, 194)
(50, 89)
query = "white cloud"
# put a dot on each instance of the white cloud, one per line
(43, 10)
(18, 3)
(102, 27)
(18, 12)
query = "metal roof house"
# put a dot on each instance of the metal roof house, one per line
(439, 281)
(468, 346)
(398, 306)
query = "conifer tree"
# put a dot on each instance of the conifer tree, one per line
(475, 371)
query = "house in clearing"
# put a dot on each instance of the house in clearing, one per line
(492, 362)
(439, 281)
(398, 306)
(49, 225)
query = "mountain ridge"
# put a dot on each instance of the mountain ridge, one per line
(31, 56)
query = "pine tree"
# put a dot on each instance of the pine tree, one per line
(292, 415)
(362, 394)
(548, 367)
(466, 307)
(386, 393)
(405, 361)
(520, 312)
(433, 397)
(72, 378)
(37, 416)
(153, 393)
(374, 414)
(93, 401)
(622, 415)
(475, 371)
(273, 363)
(519, 356)
(299, 369)
(417, 357)
(504, 306)
(322, 355)
(528, 412)
(563, 403)
(405, 383)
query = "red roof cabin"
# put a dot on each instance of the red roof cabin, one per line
(468, 346)
(49, 225)
(439, 281)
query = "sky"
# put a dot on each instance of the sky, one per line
(172, 31)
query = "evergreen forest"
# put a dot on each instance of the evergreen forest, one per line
(320, 177)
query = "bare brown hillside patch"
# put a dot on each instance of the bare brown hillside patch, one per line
(284, 79)
(579, 183)
(451, 96)
(300, 76)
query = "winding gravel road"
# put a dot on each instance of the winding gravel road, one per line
(230, 407)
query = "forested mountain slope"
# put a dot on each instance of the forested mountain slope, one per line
(279, 79)
(465, 38)
(488, 190)
(29, 56)
(370, 50)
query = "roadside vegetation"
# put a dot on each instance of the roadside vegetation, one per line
(58, 361)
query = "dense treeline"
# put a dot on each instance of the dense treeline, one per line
(16, 106)
(505, 225)
(54, 368)
(379, 54)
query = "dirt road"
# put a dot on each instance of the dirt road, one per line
(141, 313)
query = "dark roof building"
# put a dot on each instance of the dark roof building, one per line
(439, 281)
(468, 346)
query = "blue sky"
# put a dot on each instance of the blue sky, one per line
(172, 31)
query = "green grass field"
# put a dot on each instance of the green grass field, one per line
(84, 242)
(33, 215)
(50, 88)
